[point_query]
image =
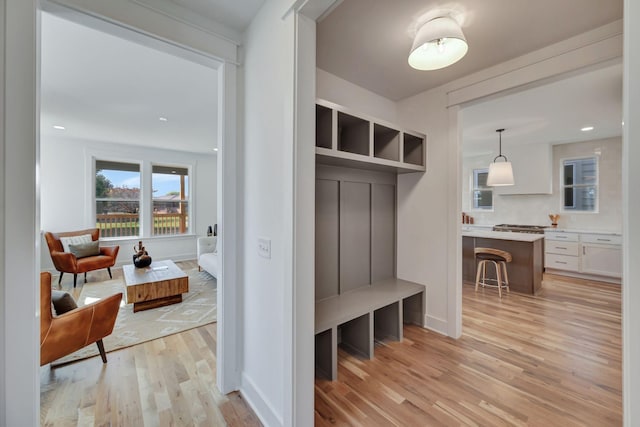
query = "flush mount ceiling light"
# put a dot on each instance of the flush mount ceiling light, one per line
(587, 129)
(500, 173)
(438, 44)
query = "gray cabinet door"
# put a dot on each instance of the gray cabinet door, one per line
(327, 238)
(355, 235)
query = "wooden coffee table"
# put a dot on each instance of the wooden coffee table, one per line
(160, 284)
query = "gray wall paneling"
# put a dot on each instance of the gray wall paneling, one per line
(355, 228)
(383, 236)
(327, 238)
(355, 235)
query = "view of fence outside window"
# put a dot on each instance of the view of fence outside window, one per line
(170, 200)
(118, 198)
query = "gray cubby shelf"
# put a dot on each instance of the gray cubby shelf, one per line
(346, 138)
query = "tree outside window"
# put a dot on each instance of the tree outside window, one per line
(117, 196)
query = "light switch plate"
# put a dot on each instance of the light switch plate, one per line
(264, 247)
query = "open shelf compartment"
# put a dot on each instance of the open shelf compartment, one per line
(353, 134)
(386, 142)
(413, 150)
(324, 125)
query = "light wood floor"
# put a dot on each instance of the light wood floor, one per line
(549, 360)
(165, 382)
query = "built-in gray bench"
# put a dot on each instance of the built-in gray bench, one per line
(358, 317)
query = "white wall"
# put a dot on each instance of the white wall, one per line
(631, 213)
(67, 200)
(429, 204)
(342, 92)
(19, 219)
(535, 208)
(267, 211)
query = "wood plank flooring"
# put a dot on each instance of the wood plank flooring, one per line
(166, 382)
(548, 360)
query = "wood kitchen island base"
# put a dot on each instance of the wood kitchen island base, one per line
(526, 268)
(160, 284)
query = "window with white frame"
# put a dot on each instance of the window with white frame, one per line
(481, 194)
(580, 184)
(117, 198)
(170, 200)
(119, 203)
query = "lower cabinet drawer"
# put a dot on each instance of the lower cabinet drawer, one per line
(562, 248)
(561, 262)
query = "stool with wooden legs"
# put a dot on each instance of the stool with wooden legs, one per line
(499, 259)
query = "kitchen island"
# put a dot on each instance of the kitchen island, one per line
(527, 250)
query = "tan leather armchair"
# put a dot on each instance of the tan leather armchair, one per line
(66, 262)
(64, 334)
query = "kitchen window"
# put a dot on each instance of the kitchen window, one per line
(481, 194)
(579, 179)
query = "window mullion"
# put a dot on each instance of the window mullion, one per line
(146, 208)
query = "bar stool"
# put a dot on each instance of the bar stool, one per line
(499, 259)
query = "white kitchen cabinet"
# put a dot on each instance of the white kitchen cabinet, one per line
(532, 170)
(584, 254)
(601, 259)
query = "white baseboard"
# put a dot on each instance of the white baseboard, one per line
(435, 324)
(258, 403)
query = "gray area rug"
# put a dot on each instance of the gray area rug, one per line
(198, 307)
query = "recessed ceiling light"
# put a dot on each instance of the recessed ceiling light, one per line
(215, 149)
(163, 119)
(58, 127)
(587, 128)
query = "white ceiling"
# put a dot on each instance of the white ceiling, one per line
(553, 113)
(105, 88)
(367, 42)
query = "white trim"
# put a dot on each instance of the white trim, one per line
(630, 212)
(436, 324)
(561, 186)
(259, 403)
(20, 216)
(228, 349)
(217, 29)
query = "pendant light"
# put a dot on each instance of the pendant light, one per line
(438, 44)
(500, 173)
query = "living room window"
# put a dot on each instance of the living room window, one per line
(481, 194)
(117, 197)
(122, 208)
(580, 184)
(170, 200)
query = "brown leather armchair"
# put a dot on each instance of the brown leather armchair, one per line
(66, 262)
(68, 332)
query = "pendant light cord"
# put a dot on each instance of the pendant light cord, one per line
(500, 147)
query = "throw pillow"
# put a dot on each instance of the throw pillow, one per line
(62, 302)
(75, 240)
(85, 249)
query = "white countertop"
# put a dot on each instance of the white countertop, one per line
(575, 230)
(504, 235)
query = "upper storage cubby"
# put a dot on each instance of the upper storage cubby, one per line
(353, 134)
(350, 139)
(324, 126)
(386, 142)
(413, 151)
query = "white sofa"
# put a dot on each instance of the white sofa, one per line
(207, 252)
